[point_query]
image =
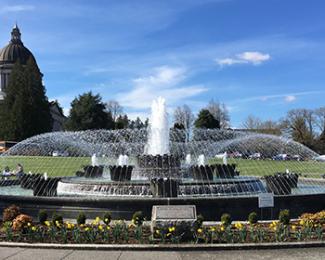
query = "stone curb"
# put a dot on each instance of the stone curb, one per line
(174, 247)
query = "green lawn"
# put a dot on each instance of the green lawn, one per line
(268, 167)
(53, 166)
(67, 166)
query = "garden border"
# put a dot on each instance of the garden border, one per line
(175, 247)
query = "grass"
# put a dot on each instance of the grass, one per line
(67, 166)
(53, 166)
(269, 167)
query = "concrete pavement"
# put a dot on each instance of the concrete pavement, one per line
(16, 253)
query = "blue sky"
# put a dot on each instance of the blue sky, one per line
(259, 57)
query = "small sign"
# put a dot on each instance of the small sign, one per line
(266, 200)
(173, 212)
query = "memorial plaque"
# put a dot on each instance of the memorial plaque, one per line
(173, 215)
(266, 200)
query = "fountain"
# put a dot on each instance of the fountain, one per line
(129, 170)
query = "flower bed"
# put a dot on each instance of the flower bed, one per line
(310, 227)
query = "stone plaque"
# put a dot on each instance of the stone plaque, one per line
(174, 212)
(266, 200)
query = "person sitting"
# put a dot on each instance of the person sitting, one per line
(6, 173)
(20, 171)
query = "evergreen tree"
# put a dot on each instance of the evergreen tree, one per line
(25, 110)
(122, 122)
(206, 120)
(88, 112)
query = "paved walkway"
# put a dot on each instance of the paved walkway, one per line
(49, 254)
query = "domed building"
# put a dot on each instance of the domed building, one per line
(14, 51)
(9, 55)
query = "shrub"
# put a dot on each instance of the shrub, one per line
(81, 219)
(284, 217)
(57, 218)
(42, 216)
(226, 219)
(252, 218)
(21, 221)
(10, 213)
(138, 218)
(107, 218)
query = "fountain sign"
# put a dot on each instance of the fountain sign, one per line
(265, 200)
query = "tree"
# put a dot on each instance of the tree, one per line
(220, 113)
(184, 116)
(114, 108)
(320, 119)
(88, 112)
(255, 124)
(206, 120)
(136, 124)
(25, 110)
(122, 122)
(300, 124)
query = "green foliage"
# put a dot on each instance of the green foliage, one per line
(107, 218)
(10, 213)
(138, 218)
(206, 120)
(81, 219)
(42, 216)
(57, 218)
(284, 217)
(88, 112)
(252, 218)
(226, 219)
(122, 122)
(25, 110)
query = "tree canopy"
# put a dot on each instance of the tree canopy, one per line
(25, 110)
(88, 112)
(206, 120)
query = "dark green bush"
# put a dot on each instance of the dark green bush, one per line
(81, 219)
(284, 216)
(252, 218)
(42, 216)
(138, 218)
(57, 218)
(226, 219)
(107, 218)
(10, 213)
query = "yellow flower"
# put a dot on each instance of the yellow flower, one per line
(108, 227)
(239, 225)
(106, 219)
(171, 229)
(34, 228)
(69, 226)
(168, 234)
(47, 223)
(82, 225)
(222, 228)
(212, 229)
(274, 228)
(100, 227)
(302, 222)
(87, 228)
(200, 230)
(29, 224)
(293, 227)
(157, 231)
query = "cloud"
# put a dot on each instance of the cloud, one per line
(290, 98)
(16, 8)
(248, 57)
(165, 82)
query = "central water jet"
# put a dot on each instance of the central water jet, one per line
(158, 138)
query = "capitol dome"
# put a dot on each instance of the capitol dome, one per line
(15, 50)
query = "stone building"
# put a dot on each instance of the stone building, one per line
(9, 55)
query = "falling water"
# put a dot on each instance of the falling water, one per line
(201, 159)
(122, 160)
(188, 159)
(158, 139)
(94, 161)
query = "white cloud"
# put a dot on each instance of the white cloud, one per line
(290, 98)
(248, 57)
(16, 8)
(163, 82)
